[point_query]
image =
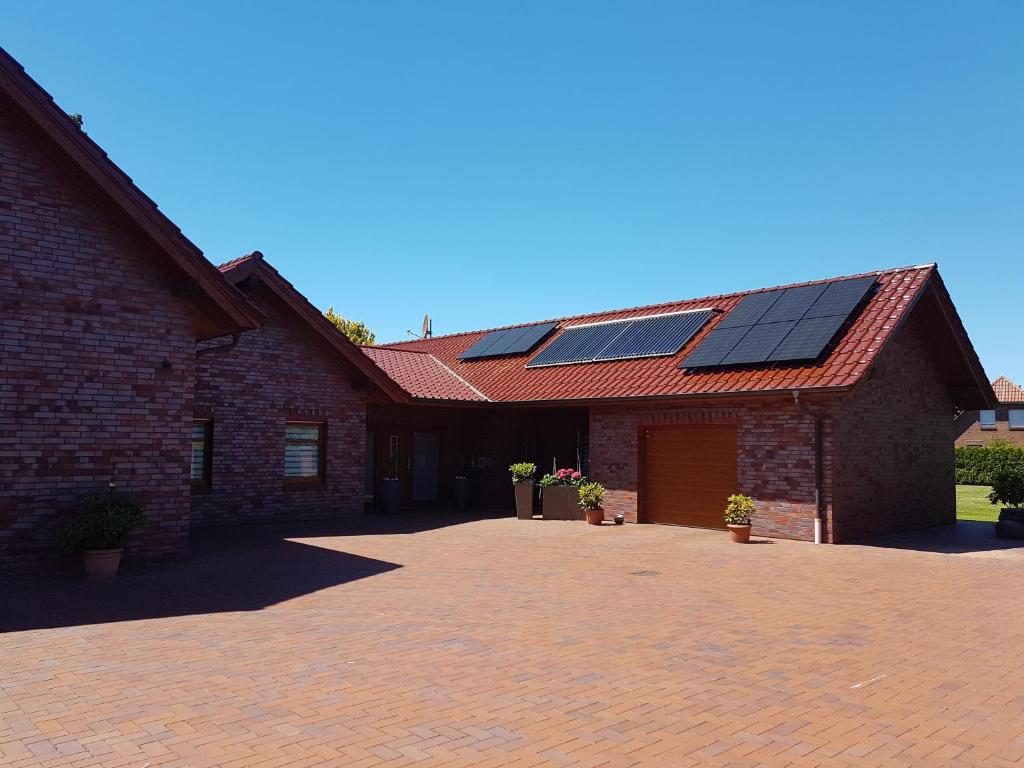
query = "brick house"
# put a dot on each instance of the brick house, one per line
(1003, 422)
(859, 436)
(280, 417)
(223, 396)
(102, 302)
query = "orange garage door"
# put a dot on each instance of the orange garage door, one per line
(689, 471)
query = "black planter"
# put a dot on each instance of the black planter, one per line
(390, 495)
(461, 493)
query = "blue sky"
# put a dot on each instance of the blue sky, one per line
(494, 163)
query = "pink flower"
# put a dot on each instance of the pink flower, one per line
(576, 475)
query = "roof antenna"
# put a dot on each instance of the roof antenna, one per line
(426, 332)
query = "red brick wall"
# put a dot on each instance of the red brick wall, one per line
(96, 365)
(969, 432)
(274, 375)
(894, 444)
(775, 456)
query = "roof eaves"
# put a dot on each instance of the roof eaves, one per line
(238, 269)
(40, 108)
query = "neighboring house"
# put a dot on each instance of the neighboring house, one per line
(281, 415)
(1005, 422)
(812, 406)
(102, 301)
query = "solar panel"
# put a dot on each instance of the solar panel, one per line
(623, 339)
(841, 298)
(532, 336)
(653, 336)
(808, 339)
(792, 304)
(578, 344)
(480, 348)
(715, 347)
(758, 343)
(788, 325)
(509, 341)
(750, 309)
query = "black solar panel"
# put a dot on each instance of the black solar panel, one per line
(715, 347)
(509, 341)
(750, 309)
(808, 339)
(578, 344)
(758, 343)
(841, 298)
(792, 304)
(793, 324)
(653, 336)
(480, 348)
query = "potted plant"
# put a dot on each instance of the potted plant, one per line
(559, 495)
(391, 488)
(99, 531)
(591, 496)
(461, 492)
(1008, 489)
(522, 482)
(739, 511)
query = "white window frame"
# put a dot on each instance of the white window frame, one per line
(991, 421)
(1016, 418)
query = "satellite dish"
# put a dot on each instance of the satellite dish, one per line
(427, 331)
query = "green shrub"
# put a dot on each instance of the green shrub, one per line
(739, 510)
(591, 495)
(522, 471)
(1008, 488)
(978, 464)
(104, 522)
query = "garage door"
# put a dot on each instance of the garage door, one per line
(689, 471)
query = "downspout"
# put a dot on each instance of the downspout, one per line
(818, 461)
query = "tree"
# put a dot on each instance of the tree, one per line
(356, 331)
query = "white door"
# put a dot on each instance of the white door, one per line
(427, 466)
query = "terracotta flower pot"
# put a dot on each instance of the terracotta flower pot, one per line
(739, 533)
(595, 516)
(102, 563)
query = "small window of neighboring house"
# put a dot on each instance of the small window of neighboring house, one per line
(1017, 419)
(304, 452)
(987, 419)
(202, 451)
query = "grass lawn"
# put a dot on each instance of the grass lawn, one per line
(972, 504)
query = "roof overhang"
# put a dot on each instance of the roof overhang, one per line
(256, 267)
(222, 309)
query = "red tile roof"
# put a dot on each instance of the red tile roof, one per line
(422, 375)
(1007, 391)
(508, 380)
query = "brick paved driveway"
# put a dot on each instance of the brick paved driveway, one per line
(513, 643)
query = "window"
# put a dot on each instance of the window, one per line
(202, 453)
(304, 452)
(1017, 419)
(987, 419)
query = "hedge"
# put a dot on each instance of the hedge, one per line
(975, 464)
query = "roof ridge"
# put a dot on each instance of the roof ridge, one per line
(909, 268)
(453, 373)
